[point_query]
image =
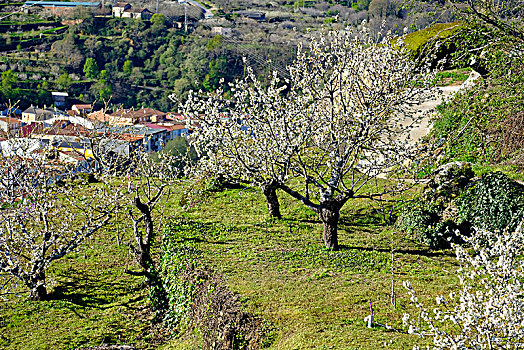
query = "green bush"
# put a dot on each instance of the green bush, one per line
(494, 203)
(424, 220)
(446, 213)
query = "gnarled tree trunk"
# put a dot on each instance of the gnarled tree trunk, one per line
(269, 190)
(143, 256)
(329, 213)
(37, 289)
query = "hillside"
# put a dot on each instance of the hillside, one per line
(307, 297)
(279, 211)
(147, 60)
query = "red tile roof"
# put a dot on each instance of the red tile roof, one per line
(84, 106)
(10, 120)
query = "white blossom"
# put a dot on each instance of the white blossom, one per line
(487, 311)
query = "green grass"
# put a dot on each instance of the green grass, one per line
(92, 301)
(310, 298)
(414, 41)
(313, 298)
(453, 77)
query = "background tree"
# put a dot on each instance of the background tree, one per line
(91, 70)
(102, 89)
(127, 67)
(492, 29)
(147, 191)
(63, 81)
(9, 80)
(158, 22)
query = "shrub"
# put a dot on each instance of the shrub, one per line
(455, 205)
(493, 203)
(425, 221)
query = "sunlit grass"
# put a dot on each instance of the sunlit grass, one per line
(310, 298)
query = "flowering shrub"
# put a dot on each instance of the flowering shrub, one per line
(487, 311)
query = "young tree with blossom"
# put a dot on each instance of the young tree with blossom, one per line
(321, 134)
(249, 133)
(487, 311)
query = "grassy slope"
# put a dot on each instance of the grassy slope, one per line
(93, 301)
(414, 41)
(313, 299)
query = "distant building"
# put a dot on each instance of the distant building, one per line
(36, 114)
(172, 129)
(141, 116)
(10, 125)
(225, 31)
(119, 8)
(59, 98)
(143, 14)
(125, 10)
(82, 109)
(257, 16)
(58, 7)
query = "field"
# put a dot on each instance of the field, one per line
(309, 298)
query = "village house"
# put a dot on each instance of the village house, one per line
(153, 139)
(119, 8)
(100, 116)
(172, 129)
(257, 16)
(36, 114)
(126, 117)
(225, 31)
(10, 125)
(82, 109)
(125, 10)
(142, 13)
(59, 98)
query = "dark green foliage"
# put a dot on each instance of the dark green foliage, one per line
(456, 205)
(424, 221)
(431, 218)
(494, 203)
(63, 81)
(127, 67)
(9, 80)
(145, 61)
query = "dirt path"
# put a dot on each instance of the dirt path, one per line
(427, 108)
(425, 111)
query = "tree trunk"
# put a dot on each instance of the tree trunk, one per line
(329, 215)
(270, 192)
(143, 256)
(37, 289)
